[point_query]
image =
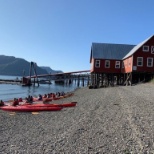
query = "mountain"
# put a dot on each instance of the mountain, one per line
(10, 65)
(49, 70)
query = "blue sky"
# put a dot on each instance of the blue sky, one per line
(59, 33)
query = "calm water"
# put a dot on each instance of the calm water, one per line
(9, 91)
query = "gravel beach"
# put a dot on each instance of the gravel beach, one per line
(114, 120)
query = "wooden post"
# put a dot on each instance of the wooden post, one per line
(131, 78)
(95, 79)
(30, 72)
(123, 75)
(64, 80)
(124, 78)
(144, 77)
(112, 79)
(34, 81)
(139, 77)
(75, 80)
(151, 76)
(118, 79)
(34, 66)
(88, 81)
(91, 79)
(97, 83)
(83, 81)
(78, 80)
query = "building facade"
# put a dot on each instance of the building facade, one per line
(121, 63)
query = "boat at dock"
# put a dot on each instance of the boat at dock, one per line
(45, 82)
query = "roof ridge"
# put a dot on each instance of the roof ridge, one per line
(137, 47)
(111, 43)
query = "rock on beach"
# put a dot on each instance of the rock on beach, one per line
(114, 120)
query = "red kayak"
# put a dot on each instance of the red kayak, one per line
(28, 108)
(70, 104)
(46, 99)
(50, 99)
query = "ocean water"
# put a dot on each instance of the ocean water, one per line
(10, 91)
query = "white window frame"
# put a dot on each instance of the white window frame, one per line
(144, 48)
(117, 64)
(148, 62)
(152, 49)
(97, 63)
(107, 61)
(140, 61)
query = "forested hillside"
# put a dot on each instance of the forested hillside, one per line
(10, 65)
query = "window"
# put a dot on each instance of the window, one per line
(149, 62)
(107, 64)
(117, 64)
(152, 49)
(139, 61)
(97, 63)
(145, 48)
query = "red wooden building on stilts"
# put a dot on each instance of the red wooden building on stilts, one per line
(121, 63)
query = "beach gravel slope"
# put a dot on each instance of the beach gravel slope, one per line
(117, 120)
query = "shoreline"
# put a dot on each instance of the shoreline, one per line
(106, 120)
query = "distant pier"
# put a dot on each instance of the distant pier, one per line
(7, 81)
(79, 77)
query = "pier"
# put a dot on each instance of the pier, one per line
(5, 81)
(66, 78)
(81, 78)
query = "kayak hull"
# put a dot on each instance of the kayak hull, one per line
(73, 104)
(69, 104)
(28, 108)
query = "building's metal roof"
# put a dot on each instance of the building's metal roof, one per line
(110, 51)
(137, 47)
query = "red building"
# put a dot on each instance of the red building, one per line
(121, 63)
